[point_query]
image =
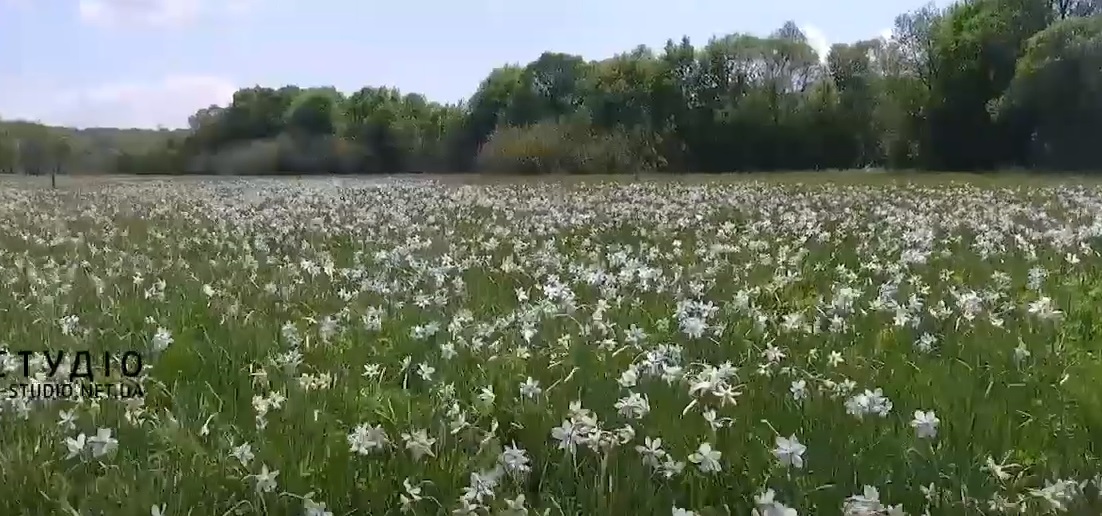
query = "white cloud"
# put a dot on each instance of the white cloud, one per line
(887, 33)
(143, 12)
(817, 40)
(156, 13)
(167, 102)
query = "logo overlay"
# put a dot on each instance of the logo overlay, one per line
(70, 375)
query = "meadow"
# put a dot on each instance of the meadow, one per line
(773, 347)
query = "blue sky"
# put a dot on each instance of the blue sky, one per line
(144, 63)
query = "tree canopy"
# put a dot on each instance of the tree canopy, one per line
(980, 85)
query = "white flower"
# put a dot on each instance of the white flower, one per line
(486, 395)
(706, 458)
(1021, 353)
(367, 438)
(530, 388)
(869, 402)
(798, 389)
(514, 460)
(926, 343)
(411, 495)
(768, 506)
(419, 444)
(790, 452)
(633, 406)
(925, 424)
(693, 327)
(482, 486)
(266, 480)
(1044, 309)
(651, 452)
(568, 437)
(102, 443)
(75, 445)
(70, 325)
(161, 340)
(425, 371)
(67, 420)
(243, 453)
(515, 506)
(1058, 495)
(865, 504)
(671, 468)
(628, 379)
(312, 508)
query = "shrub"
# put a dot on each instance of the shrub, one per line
(562, 147)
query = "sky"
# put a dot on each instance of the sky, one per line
(150, 63)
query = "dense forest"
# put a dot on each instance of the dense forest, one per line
(980, 85)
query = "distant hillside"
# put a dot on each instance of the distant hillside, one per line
(93, 150)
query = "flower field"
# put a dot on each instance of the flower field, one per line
(419, 347)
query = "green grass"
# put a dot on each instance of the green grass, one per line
(349, 277)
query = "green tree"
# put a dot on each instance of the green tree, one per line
(8, 155)
(1058, 87)
(857, 83)
(316, 112)
(977, 45)
(60, 151)
(949, 89)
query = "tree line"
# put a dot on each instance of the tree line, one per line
(36, 149)
(980, 85)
